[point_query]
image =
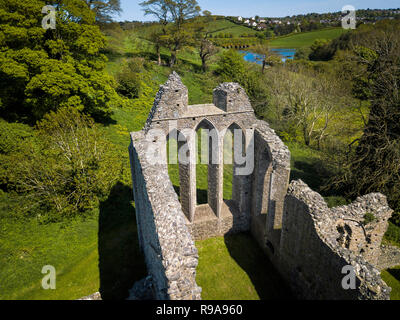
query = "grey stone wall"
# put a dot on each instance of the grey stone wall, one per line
(312, 258)
(230, 97)
(389, 257)
(270, 183)
(170, 254)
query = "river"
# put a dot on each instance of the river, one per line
(257, 58)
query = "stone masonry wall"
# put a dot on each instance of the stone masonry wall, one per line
(312, 257)
(170, 254)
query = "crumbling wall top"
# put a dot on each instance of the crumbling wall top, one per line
(279, 151)
(171, 100)
(231, 97)
(325, 221)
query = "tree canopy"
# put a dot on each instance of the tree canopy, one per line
(104, 9)
(42, 70)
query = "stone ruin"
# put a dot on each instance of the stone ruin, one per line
(308, 243)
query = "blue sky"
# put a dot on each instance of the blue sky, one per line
(270, 8)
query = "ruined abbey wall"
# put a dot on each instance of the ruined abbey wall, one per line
(312, 253)
(308, 242)
(170, 254)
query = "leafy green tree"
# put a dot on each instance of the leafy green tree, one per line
(374, 165)
(207, 50)
(267, 58)
(302, 53)
(133, 77)
(231, 66)
(320, 50)
(177, 12)
(43, 70)
(63, 168)
(104, 9)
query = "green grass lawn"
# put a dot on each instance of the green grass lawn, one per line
(225, 26)
(234, 267)
(392, 279)
(305, 39)
(100, 253)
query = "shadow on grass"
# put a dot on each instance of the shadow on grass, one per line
(120, 260)
(105, 118)
(313, 173)
(395, 273)
(265, 278)
(201, 195)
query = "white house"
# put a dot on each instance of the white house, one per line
(247, 21)
(240, 18)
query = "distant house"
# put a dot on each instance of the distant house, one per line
(247, 21)
(254, 24)
(262, 21)
(262, 26)
(240, 18)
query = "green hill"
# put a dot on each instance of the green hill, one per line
(305, 39)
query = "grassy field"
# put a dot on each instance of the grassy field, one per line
(225, 26)
(234, 267)
(305, 39)
(392, 279)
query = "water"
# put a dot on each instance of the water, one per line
(258, 58)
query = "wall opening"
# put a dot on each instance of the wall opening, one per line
(262, 179)
(231, 182)
(202, 148)
(178, 168)
(172, 159)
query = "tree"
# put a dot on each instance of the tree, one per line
(231, 66)
(159, 9)
(201, 34)
(320, 50)
(159, 39)
(266, 56)
(64, 169)
(43, 70)
(207, 50)
(303, 102)
(374, 165)
(176, 12)
(104, 9)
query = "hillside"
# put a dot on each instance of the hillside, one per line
(305, 39)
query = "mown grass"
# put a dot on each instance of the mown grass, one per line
(224, 26)
(305, 39)
(392, 278)
(234, 267)
(100, 253)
